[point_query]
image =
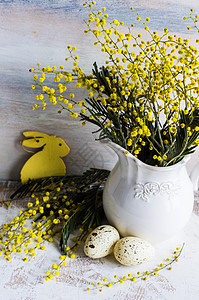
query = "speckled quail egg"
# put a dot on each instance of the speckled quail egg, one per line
(131, 251)
(100, 242)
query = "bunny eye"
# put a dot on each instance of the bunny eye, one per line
(60, 144)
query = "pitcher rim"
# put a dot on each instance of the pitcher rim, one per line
(162, 169)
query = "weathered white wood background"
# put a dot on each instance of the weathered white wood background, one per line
(32, 31)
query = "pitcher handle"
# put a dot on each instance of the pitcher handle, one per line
(194, 176)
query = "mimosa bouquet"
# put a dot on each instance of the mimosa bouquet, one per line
(144, 98)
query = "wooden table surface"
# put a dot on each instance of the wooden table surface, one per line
(21, 280)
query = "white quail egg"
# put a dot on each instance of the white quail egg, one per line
(100, 242)
(131, 251)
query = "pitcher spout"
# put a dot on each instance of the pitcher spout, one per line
(128, 164)
(122, 153)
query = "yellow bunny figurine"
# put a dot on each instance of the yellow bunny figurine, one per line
(46, 162)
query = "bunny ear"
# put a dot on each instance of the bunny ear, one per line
(34, 134)
(34, 139)
(37, 142)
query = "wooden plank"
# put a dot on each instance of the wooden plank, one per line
(7, 188)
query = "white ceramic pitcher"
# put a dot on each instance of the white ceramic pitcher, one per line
(153, 203)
